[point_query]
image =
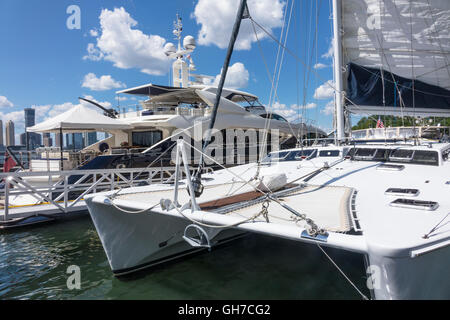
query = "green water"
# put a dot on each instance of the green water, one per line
(34, 261)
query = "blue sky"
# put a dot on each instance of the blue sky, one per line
(45, 65)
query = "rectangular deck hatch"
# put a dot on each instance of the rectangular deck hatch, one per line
(402, 192)
(391, 167)
(415, 204)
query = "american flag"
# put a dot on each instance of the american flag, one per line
(380, 123)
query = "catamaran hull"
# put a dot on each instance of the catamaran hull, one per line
(133, 242)
(405, 278)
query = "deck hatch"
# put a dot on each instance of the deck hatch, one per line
(415, 204)
(402, 192)
(390, 167)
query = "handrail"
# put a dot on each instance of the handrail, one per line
(55, 188)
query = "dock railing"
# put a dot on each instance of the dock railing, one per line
(65, 189)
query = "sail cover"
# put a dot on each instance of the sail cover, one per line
(409, 40)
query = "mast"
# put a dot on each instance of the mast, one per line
(337, 27)
(241, 13)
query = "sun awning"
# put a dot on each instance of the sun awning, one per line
(79, 118)
(149, 90)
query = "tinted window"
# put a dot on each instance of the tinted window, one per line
(329, 153)
(415, 156)
(146, 138)
(291, 155)
(426, 157)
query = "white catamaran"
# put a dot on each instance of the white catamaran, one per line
(387, 201)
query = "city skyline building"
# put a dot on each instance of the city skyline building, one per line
(1, 133)
(10, 134)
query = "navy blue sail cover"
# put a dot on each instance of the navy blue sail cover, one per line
(365, 88)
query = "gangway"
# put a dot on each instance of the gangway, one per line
(32, 197)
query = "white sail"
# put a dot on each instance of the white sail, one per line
(410, 39)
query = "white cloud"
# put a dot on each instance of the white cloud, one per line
(127, 47)
(329, 108)
(237, 77)
(103, 83)
(93, 33)
(325, 91)
(217, 18)
(320, 66)
(94, 53)
(4, 102)
(15, 116)
(329, 54)
(291, 113)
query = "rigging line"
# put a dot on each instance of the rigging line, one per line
(266, 132)
(267, 122)
(426, 236)
(276, 75)
(316, 73)
(308, 73)
(270, 80)
(342, 272)
(143, 170)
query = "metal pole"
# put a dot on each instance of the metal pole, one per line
(5, 217)
(223, 75)
(337, 26)
(61, 148)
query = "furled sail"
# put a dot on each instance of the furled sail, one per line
(394, 48)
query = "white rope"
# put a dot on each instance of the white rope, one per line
(342, 272)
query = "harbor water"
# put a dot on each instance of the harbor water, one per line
(34, 264)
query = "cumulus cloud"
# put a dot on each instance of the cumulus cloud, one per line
(325, 91)
(237, 77)
(217, 18)
(103, 83)
(329, 54)
(329, 108)
(291, 112)
(320, 66)
(125, 46)
(4, 102)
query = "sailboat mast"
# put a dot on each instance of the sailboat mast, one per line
(337, 27)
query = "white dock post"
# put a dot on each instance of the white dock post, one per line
(66, 193)
(5, 216)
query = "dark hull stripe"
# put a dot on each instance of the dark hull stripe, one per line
(153, 263)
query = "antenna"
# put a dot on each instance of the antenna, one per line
(180, 67)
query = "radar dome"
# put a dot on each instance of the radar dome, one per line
(189, 43)
(169, 49)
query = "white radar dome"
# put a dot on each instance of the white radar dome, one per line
(169, 49)
(189, 43)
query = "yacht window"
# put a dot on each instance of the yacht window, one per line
(401, 155)
(368, 154)
(415, 204)
(146, 138)
(273, 116)
(276, 156)
(401, 191)
(305, 154)
(426, 157)
(329, 153)
(415, 156)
